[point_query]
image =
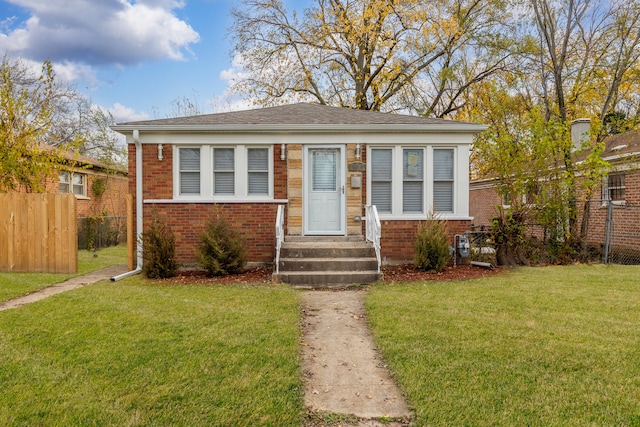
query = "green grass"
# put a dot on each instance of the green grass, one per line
(16, 284)
(553, 346)
(136, 353)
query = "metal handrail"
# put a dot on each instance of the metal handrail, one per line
(279, 234)
(373, 229)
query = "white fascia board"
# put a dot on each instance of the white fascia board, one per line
(271, 128)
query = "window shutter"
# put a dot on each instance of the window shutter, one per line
(189, 170)
(258, 170)
(223, 167)
(381, 175)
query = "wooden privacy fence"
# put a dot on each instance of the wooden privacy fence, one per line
(38, 233)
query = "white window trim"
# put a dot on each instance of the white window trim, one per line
(606, 190)
(241, 174)
(397, 182)
(70, 174)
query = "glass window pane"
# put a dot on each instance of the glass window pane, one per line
(324, 170)
(223, 167)
(258, 183)
(443, 164)
(381, 164)
(381, 196)
(258, 159)
(443, 196)
(412, 165)
(223, 159)
(189, 159)
(190, 183)
(412, 197)
(189, 170)
(224, 183)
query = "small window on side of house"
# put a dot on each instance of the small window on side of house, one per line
(615, 188)
(79, 184)
(64, 183)
(74, 183)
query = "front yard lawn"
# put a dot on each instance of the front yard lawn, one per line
(15, 284)
(141, 354)
(552, 346)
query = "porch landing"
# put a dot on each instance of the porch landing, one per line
(326, 261)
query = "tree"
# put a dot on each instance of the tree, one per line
(371, 54)
(26, 111)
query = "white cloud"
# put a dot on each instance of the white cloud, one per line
(123, 114)
(98, 32)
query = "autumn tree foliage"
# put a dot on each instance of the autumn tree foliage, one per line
(26, 111)
(371, 54)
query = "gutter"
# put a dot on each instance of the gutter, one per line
(139, 204)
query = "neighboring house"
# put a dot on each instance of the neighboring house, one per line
(99, 189)
(621, 186)
(85, 177)
(323, 163)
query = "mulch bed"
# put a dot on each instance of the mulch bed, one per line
(392, 273)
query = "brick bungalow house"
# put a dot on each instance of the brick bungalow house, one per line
(621, 187)
(322, 164)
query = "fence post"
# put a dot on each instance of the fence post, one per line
(608, 232)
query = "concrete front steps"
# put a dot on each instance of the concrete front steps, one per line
(321, 262)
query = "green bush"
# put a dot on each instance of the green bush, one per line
(222, 250)
(159, 250)
(432, 246)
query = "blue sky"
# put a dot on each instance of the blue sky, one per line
(131, 57)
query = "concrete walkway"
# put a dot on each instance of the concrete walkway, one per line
(67, 285)
(343, 371)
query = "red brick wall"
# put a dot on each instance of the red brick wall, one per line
(399, 237)
(112, 202)
(482, 205)
(254, 221)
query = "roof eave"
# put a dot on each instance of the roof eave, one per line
(324, 128)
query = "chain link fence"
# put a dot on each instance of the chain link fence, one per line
(612, 237)
(614, 231)
(101, 231)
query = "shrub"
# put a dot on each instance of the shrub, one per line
(222, 250)
(159, 250)
(432, 246)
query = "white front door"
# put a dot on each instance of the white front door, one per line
(324, 192)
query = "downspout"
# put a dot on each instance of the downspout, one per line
(136, 140)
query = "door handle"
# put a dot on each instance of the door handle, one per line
(343, 189)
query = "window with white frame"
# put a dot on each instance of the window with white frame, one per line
(614, 189)
(258, 171)
(381, 179)
(228, 173)
(443, 180)
(224, 171)
(397, 181)
(75, 183)
(189, 170)
(413, 180)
